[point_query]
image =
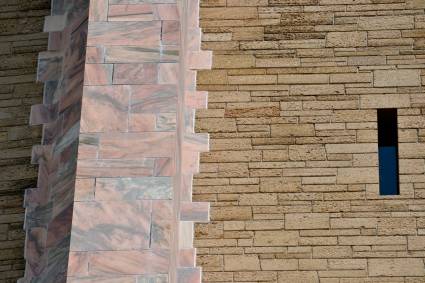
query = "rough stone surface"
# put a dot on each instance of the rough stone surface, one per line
(294, 188)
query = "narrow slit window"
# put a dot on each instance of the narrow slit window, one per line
(388, 152)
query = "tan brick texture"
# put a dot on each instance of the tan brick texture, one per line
(292, 175)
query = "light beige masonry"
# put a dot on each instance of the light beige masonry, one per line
(293, 175)
(388, 78)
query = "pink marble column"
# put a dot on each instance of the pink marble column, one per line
(126, 212)
(133, 215)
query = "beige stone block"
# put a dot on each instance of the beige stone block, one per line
(258, 199)
(415, 4)
(316, 89)
(386, 22)
(412, 166)
(232, 13)
(279, 264)
(352, 148)
(303, 79)
(253, 79)
(412, 150)
(233, 225)
(346, 39)
(366, 60)
(405, 77)
(396, 267)
(264, 225)
(416, 243)
(277, 62)
(332, 252)
(248, 33)
(279, 184)
(275, 238)
(365, 175)
(411, 122)
(353, 223)
(307, 152)
(372, 240)
(385, 101)
(233, 61)
(352, 78)
(275, 155)
(287, 130)
(348, 264)
(298, 277)
(396, 226)
(212, 77)
(212, 125)
(299, 221)
(313, 264)
(241, 262)
(231, 213)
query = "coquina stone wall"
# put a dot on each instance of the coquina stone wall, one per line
(21, 38)
(292, 175)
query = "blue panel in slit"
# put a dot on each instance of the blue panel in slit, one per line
(388, 170)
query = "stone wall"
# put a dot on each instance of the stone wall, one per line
(293, 170)
(21, 25)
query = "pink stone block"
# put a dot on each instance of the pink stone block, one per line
(196, 99)
(105, 108)
(143, 34)
(96, 226)
(154, 98)
(133, 54)
(137, 145)
(189, 275)
(166, 12)
(116, 167)
(193, 13)
(194, 39)
(164, 167)
(78, 264)
(42, 114)
(135, 12)
(87, 151)
(84, 189)
(102, 279)
(190, 80)
(170, 33)
(98, 74)
(168, 73)
(162, 217)
(196, 142)
(140, 122)
(54, 23)
(129, 262)
(95, 54)
(186, 188)
(146, 73)
(199, 60)
(187, 257)
(190, 162)
(98, 10)
(195, 211)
